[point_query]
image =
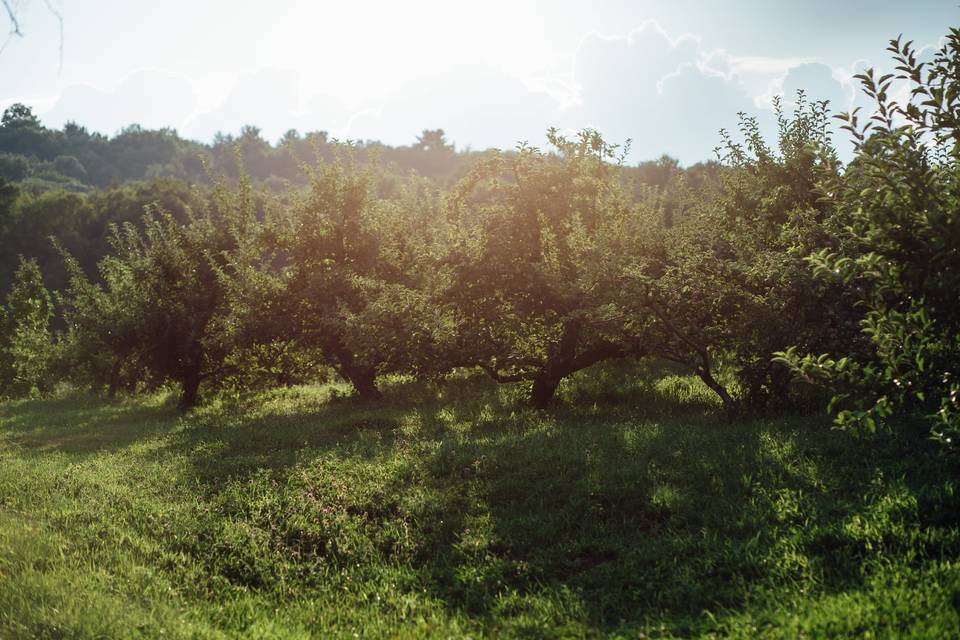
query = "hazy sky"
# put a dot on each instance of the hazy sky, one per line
(666, 74)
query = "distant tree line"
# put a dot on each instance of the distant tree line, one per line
(777, 275)
(72, 158)
(75, 184)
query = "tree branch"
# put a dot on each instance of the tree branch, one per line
(499, 377)
(603, 351)
(59, 17)
(680, 335)
(15, 25)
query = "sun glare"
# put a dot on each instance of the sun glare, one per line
(368, 48)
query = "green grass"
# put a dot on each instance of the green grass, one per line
(630, 510)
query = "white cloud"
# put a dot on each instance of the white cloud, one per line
(271, 100)
(151, 98)
(762, 66)
(475, 106)
(642, 58)
(663, 93)
(818, 82)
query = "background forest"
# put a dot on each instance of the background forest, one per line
(766, 286)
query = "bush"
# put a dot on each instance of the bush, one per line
(26, 347)
(901, 200)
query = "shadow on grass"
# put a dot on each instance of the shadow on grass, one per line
(247, 433)
(635, 522)
(625, 505)
(85, 424)
(645, 508)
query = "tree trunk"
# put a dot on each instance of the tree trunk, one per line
(114, 380)
(364, 381)
(559, 365)
(707, 376)
(568, 359)
(362, 377)
(190, 386)
(544, 387)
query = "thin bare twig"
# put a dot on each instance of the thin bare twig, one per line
(14, 25)
(59, 18)
(16, 31)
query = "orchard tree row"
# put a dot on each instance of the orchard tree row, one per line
(781, 279)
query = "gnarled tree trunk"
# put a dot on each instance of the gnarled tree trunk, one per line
(190, 387)
(114, 380)
(731, 406)
(362, 377)
(544, 388)
(562, 362)
(364, 381)
(567, 360)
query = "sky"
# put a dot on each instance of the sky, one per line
(666, 75)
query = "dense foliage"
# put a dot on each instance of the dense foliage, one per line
(25, 344)
(530, 265)
(900, 249)
(542, 242)
(74, 159)
(725, 285)
(163, 309)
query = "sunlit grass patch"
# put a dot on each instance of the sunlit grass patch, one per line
(454, 510)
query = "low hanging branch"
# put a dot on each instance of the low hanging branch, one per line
(503, 378)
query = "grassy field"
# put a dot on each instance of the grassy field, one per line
(630, 510)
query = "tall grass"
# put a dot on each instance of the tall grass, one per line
(631, 509)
